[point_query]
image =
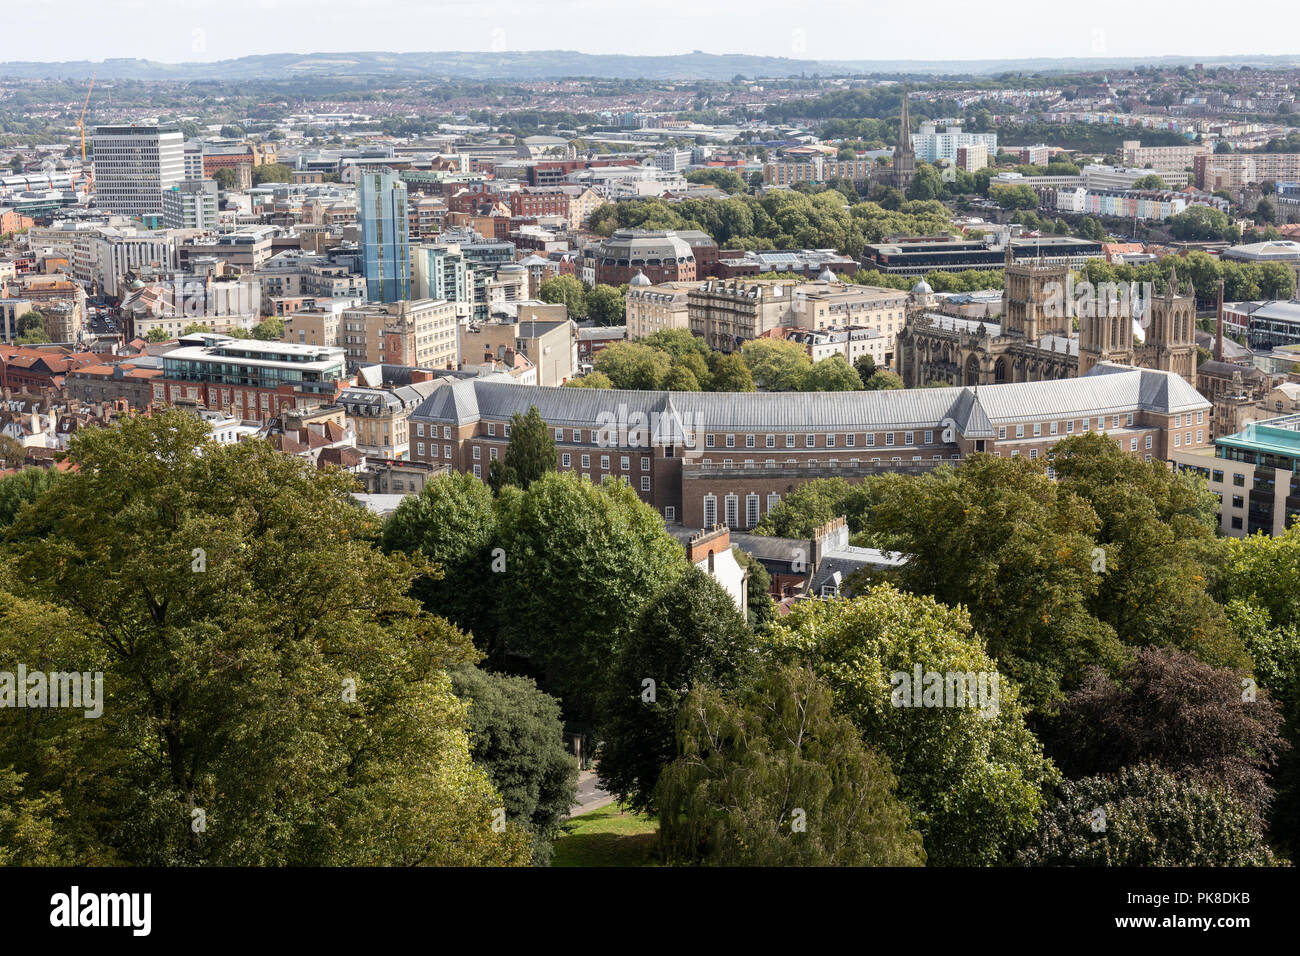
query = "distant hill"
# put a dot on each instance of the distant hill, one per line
(557, 64)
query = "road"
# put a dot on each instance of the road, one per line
(590, 795)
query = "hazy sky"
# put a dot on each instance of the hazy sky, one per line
(187, 30)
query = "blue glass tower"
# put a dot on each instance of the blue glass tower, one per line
(385, 238)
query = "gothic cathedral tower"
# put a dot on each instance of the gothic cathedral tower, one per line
(1033, 296)
(1171, 332)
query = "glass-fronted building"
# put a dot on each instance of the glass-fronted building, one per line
(385, 236)
(1254, 474)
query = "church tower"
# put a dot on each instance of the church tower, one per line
(904, 168)
(1033, 299)
(1171, 333)
(1105, 335)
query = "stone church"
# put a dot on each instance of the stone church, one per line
(902, 169)
(1035, 340)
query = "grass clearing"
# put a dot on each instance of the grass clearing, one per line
(608, 837)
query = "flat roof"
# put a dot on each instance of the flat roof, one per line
(1271, 436)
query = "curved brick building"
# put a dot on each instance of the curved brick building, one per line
(660, 256)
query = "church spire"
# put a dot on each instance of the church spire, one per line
(1173, 279)
(905, 124)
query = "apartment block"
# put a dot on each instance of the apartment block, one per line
(1235, 171)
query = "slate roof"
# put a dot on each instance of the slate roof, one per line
(975, 411)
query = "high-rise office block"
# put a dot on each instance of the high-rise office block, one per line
(134, 164)
(386, 260)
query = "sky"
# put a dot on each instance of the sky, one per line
(176, 31)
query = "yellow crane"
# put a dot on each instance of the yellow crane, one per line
(81, 125)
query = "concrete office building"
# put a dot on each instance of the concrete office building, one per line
(191, 204)
(134, 165)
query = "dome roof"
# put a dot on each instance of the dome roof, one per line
(922, 288)
(639, 279)
(827, 276)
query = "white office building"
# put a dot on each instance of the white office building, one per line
(134, 164)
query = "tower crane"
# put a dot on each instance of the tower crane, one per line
(81, 125)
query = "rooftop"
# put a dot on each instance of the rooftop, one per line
(1272, 436)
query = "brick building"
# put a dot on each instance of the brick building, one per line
(661, 256)
(706, 458)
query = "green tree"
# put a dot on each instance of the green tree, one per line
(689, 633)
(1015, 197)
(530, 454)
(269, 330)
(32, 827)
(760, 608)
(566, 289)
(865, 366)
(23, 487)
(1202, 223)
(604, 305)
(1145, 816)
(832, 374)
(579, 562)
(31, 321)
(227, 179)
(926, 184)
(1150, 181)
(776, 366)
(12, 454)
(813, 503)
(263, 665)
(731, 374)
(517, 738)
(677, 343)
(1157, 549)
(590, 380)
(681, 379)
(451, 522)
(776, 778)
(633, 365)
(271, 173)
(882, 378)
(1001, 538)
(974, 779)
(1258, 587)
